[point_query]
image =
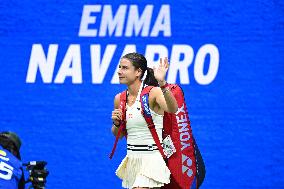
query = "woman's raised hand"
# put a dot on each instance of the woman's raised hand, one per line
(161, 70)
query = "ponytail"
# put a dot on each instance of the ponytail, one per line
(150, 78)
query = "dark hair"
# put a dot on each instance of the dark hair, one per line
(11, 142)
(139, 61)
(9, 145)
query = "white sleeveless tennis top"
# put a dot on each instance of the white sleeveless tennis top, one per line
(138, 132)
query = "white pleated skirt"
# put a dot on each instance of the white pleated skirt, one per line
(143, 170)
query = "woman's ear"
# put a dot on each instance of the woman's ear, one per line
(139, 73)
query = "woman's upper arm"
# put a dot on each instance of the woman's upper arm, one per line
(168, 103)
(116, 101)
(159, 98)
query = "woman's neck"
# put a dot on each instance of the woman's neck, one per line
(133, 88)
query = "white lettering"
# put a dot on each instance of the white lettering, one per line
(181, 66)
(184, 145)
(99, 69)
(212, 50)
(184, 127)
(109, 23)
(163, 22)
(182, 118)
(181, 109)
(139, 24)
(43, 63)
(38, 60)
(4, 158)
(71, 66)
(153, 51)
(184, 136)
(5, 168)
(88, 19)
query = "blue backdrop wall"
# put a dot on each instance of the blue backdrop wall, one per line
(57, 67)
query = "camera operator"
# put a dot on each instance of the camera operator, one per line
(11, 169)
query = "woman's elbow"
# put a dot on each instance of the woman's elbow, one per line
(176, 109)
(173, 109)
(113, 130)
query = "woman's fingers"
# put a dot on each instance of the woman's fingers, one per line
(117, 114)
(115, 118)
(154, 69)
(166, 63)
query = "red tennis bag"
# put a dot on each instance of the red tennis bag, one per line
(186, 164)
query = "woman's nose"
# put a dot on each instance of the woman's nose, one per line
(119, 71)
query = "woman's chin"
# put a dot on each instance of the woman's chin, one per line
(121, 81)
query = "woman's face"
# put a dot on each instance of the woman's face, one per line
(127, 73)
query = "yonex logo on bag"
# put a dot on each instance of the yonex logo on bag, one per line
(183, 127)
(186, 164)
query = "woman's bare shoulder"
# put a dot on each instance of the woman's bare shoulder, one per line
(155, 91)
(116, 100)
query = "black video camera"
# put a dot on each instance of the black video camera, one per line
(37, 174)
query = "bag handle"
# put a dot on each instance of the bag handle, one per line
(122, 123)
(144, 98)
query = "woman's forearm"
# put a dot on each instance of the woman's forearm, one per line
(169, 97)
(170, 100)
(114, 130)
